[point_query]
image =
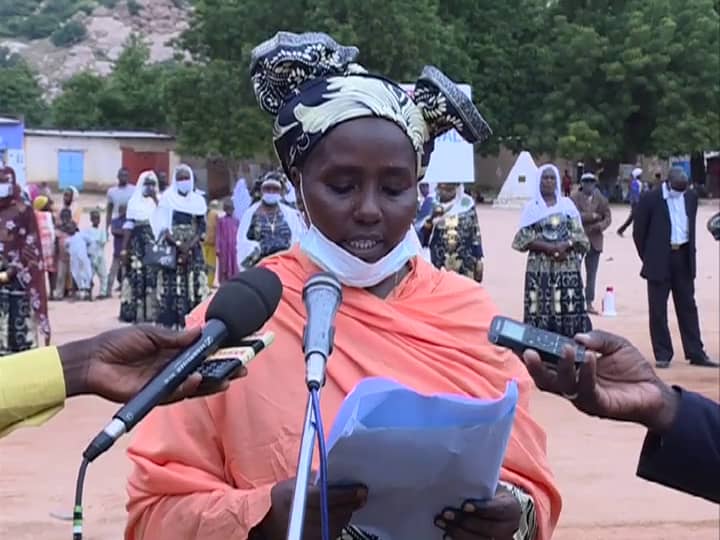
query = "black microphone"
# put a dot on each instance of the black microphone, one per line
(240, 307)
(322, 296)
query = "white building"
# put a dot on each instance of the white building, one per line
(90, 160)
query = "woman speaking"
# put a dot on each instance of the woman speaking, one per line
(355, 146)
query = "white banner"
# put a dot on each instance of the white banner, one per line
(453, 159)
(16, 160)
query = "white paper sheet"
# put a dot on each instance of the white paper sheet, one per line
(417, 454)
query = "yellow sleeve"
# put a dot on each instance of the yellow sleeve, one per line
(32, 388)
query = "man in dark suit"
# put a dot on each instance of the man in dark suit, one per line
(664, 235)
(682, 445)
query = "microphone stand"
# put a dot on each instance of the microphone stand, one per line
(315, 379)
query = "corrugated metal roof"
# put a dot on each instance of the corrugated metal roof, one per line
(99, 134)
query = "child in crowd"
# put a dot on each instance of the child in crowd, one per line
(80, 265)
(62, 258)
(226, 243)
(96, 238)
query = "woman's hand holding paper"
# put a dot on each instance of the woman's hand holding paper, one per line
(495, 519)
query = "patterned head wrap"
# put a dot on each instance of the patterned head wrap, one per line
(311, 84)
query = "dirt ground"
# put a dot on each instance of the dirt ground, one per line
(594, 461)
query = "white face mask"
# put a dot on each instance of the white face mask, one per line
(271, 198)
(350, 270)
(5, 190)
(184, 186)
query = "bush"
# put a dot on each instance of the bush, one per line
(108, 3)
(37, 26)
(61, 10)
(69, 34)
(133, 7)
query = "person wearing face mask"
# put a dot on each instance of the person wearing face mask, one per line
(181, 223)
(268, 226)
(138, 297)
(664, 235)
(23, 292)
(453, 233)
(355, 146)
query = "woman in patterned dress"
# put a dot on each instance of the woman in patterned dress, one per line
(23, 294)
(138, 299)
(552, 234)
(268, 226)
(181, 223)
(452, 233)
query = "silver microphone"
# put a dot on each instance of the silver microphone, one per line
(322, 296)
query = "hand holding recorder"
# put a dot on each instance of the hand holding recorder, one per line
(617, 383)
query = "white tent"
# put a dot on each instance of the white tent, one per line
(520, 185)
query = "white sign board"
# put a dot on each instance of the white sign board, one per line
(16, 160)
(453, 159)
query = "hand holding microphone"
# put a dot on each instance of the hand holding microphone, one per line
(116, 364)
(240, 307)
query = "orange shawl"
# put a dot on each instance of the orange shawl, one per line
(204, 468)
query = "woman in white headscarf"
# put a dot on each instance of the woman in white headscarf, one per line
(269, 226)
(138, 299)
(241, 198)
(452, 233)
(552, 233)
(181, 223)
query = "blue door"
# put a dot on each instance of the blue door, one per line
(70, 169)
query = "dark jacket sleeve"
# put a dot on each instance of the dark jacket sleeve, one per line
(641, 218)
(687, 457)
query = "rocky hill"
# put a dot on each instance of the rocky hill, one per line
(62, 37)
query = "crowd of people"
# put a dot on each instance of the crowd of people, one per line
(169, 247)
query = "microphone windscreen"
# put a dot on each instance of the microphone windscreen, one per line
(245, 302)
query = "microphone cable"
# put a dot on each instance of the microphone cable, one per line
(324, 512)
(78, 508)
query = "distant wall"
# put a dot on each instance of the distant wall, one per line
(102, 157)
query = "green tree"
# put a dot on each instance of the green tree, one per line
(212, 114)
(620, 79)
(20, 91)
(133, 95)
(78, 107)
(69, 34)
(130, 98)
(209, 101)
(408, 35)
(501, 41)
(395, 38)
